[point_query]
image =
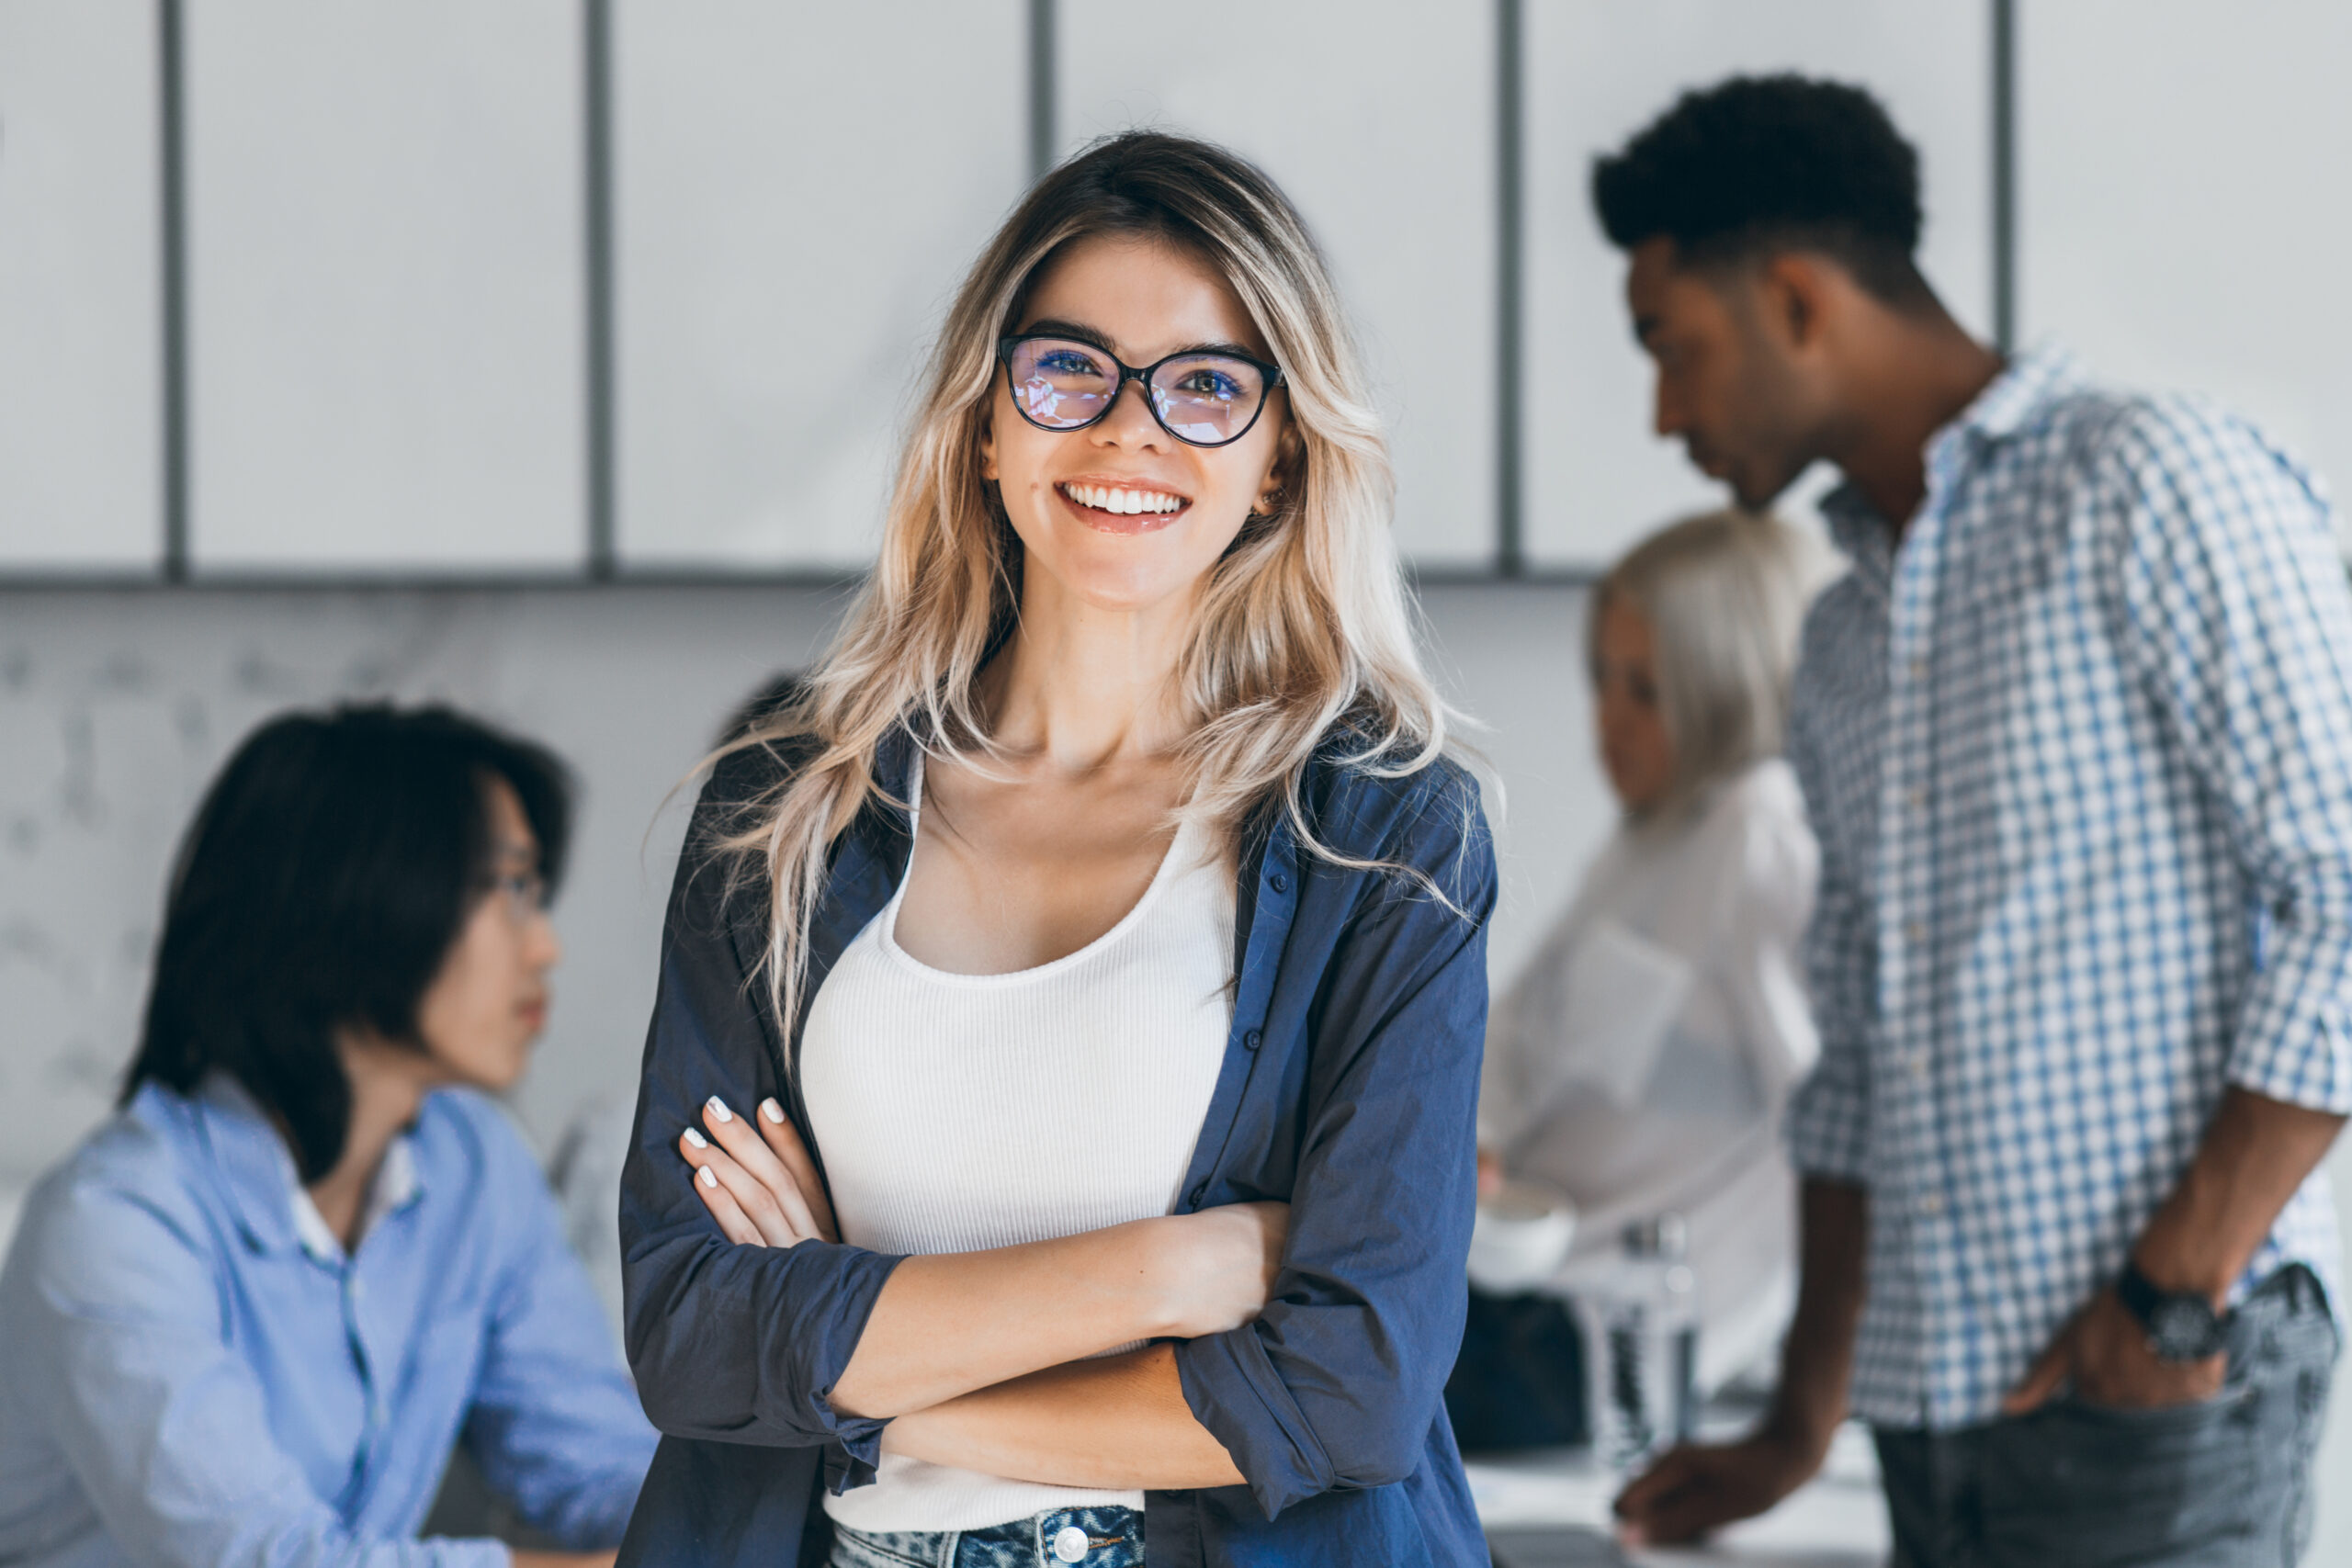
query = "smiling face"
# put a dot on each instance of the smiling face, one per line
(1121, 514)
(1729, 385)
(489, 1001)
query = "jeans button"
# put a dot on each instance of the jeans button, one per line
(1069, 1545)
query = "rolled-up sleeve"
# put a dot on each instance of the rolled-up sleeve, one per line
(2235, 610)
(735, 1343)
(1828, 1125)
(1337, 1384)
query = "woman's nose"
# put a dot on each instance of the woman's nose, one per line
(1130, 421)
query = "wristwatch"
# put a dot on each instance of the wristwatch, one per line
(2182, 1326)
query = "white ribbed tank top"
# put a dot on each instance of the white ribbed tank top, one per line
(958, 1112)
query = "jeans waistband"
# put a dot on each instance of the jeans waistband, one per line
(1061, 1538)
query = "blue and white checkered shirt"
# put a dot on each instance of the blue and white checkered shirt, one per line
(2079, 757)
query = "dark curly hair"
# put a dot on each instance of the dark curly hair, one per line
(1760, 163)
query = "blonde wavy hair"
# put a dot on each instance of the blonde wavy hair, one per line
(1725, 594)
(1303, 625)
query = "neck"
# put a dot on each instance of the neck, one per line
(1910, 379)
(387, 1086)
(1082, 687)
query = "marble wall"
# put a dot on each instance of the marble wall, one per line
(117, 707)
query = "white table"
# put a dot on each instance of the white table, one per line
(1835, 1521)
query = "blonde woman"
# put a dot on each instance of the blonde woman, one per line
(1070, 1008)
(1640, 1061)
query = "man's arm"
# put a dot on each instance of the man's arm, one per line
(2229, 605)
(1694, 1489)
(2255, 1154)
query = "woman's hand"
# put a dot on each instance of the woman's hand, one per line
(1220, 1265)
(761, 1187)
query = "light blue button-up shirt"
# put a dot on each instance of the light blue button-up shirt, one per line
(2078, 754)
(193, 1373)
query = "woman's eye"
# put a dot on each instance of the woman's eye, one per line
(1066, 362)
(1204, 382)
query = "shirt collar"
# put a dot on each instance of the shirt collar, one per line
(257, 1170)
(2012, 403)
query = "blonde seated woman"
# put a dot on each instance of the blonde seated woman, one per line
(1640, 1061)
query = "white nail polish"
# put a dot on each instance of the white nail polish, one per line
(773, 1111)
(718, 1108)
(697, 1139)
(706, 1176)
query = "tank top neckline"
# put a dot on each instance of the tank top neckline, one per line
(885, 925)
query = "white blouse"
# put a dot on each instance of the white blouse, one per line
(963, 1111)
(1640, 1061)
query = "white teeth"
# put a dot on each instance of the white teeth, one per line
(1124, 501)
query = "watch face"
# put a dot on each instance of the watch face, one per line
(2183, 1329)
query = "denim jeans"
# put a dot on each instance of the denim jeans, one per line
(2220, 1484)
(1093, 1537)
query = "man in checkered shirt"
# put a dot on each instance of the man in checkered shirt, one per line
(2076, 734)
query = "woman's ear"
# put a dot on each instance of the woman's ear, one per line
(1285, 477)
(987, 448)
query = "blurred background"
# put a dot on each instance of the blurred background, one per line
(546, 356)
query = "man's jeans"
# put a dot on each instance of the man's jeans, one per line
(2220, 1484)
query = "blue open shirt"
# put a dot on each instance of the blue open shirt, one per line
(1348, 1089)
(192, 1372)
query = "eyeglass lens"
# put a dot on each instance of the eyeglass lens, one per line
(1205, 399)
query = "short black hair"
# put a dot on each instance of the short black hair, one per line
(322, 885)
(1758, 164)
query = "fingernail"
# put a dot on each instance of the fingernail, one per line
(706, 1176)
(718, 1108)
(697, 1139)
(772, 1111)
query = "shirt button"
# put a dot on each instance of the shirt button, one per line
(1915, 933)
(1069, 1543)
(1916, 798)
(1196, 1194)
(1919, 670)
(1918, 1064)
(1252, 1040)
(1279, 883)
(1930, 1204)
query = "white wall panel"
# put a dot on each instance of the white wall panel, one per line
(80, 400)
(799, 190)
(2184, 222)
(386, 284)
(1378, 119)
(1596, 478)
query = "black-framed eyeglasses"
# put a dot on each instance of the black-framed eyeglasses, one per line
(1201, 399)
(523, 893)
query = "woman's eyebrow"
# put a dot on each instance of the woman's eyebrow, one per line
(1053, 328)
(1232, 350)
(1086, 334)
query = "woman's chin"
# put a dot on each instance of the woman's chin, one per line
(1116, 575)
